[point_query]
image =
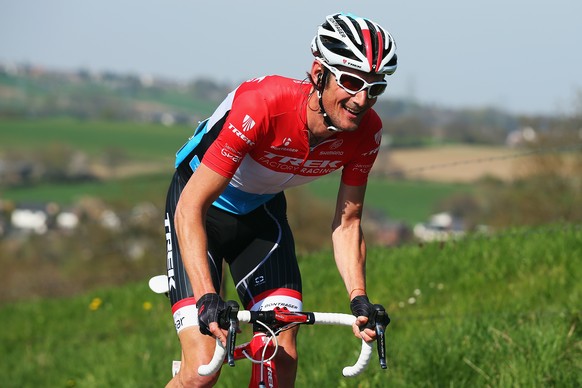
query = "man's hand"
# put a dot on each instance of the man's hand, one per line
(210, 306)
(366, 314)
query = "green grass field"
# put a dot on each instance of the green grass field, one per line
(409, 201)
(494, 311)
(141, 141)
(132, 190)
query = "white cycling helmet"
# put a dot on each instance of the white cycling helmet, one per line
(358, 43)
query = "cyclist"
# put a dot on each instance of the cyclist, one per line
(226, 198)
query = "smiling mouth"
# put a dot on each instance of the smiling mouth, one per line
(354, 111)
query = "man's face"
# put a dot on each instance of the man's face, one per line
(346, 109)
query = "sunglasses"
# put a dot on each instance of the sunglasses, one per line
(353, 84)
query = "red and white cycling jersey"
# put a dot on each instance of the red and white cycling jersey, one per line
(262, 144)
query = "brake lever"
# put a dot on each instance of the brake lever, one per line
(231, 315)
(381, 321)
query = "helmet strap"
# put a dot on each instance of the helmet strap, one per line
(326, 118)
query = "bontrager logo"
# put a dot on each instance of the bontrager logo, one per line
(285, 146)
(248, 123)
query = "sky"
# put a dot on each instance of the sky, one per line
(522, 56)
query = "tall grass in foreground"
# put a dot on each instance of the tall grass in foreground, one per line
(491, 311)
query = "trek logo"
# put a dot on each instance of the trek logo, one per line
(353, 65)
(270, 379)
(298, 165)
(169, 254)
(248, 123)
(298, 162)
(241, 135)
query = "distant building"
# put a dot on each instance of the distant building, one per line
(30, 218)
(67, 220)
(441, 227)
(521, 137)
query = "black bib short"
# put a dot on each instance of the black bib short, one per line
(258, 247)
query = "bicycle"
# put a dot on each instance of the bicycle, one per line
(263, 346)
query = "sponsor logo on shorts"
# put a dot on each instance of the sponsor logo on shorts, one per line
(185, 316)
(259, 280)
(169, 253)
(270, 302)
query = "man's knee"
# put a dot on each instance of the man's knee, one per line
(197, 349)
(191, 378)
(288, 346)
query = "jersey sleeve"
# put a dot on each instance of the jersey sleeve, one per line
(242, 130)
(356, 171)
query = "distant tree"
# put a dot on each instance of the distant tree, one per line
(113, 158)
(408, 131)
(550, 187)
(206, 89)
(55, 160)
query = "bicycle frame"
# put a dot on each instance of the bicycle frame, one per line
(261, 350)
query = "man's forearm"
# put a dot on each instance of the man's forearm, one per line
(350, 256)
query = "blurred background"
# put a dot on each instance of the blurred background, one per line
(483, 120)
(482, 125)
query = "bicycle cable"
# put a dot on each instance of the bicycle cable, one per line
(272, 338)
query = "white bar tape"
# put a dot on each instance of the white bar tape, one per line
(320, 318)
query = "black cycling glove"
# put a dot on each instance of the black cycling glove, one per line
(209, 308)
(361, 306)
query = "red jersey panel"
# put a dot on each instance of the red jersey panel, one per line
(264, 142)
